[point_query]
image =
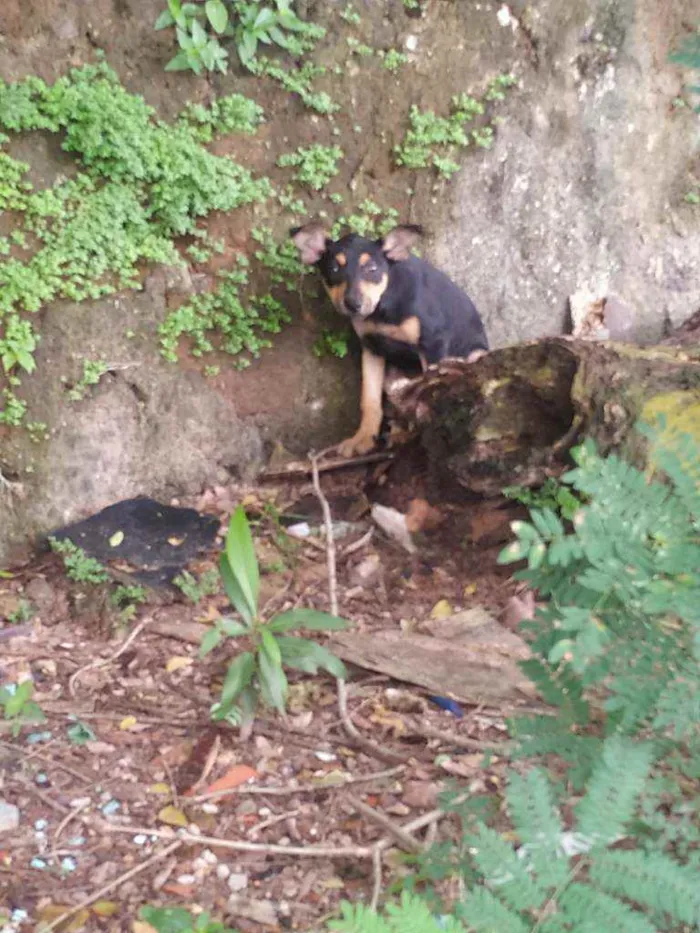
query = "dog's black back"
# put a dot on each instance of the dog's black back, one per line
(450, 325)
(402, 308)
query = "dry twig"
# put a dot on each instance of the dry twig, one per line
(302, 470)
(96, 895)
(104, 662)
(56, 762)
(236, 845)
(404, 839)
(367, 744)
(287, 791)
(454, 738)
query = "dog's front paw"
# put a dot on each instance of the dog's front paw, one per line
(358, 444)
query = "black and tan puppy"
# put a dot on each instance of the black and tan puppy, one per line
(406, 313)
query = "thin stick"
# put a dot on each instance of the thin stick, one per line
(259, 847)
(453, 738)
(301, 789)
(66, 820)
(367, 744)
(87, 779)
(330, 541)
(272, 820)
(359, 544)
(96, 895)
(103, 662)
(377, 874)
(44, 797)
(405, 840)
(420, 822)
(301, 470)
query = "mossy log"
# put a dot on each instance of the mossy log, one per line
(511, 417)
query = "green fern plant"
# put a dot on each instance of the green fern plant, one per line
(615, 844)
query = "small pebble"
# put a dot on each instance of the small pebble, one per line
(325, 756)
(210, 808)
(76, 841)
(411, 43)
(77, 802)
(194, 830)
(210, 857)
(9, 816)
(222, 872)
(300, 530)
(41, 778)
(35, 737)
(140, 840)
(41, 825)
(186, 879)
(238, 881)
(111, 807)
(68, 864)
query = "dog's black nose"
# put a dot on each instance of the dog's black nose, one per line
(353, 303)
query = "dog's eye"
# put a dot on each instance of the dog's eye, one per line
(370, 267)
(334, 266)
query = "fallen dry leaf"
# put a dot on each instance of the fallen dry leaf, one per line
(234, 777)
(173, 816)
(176, 663)
(128, 722)
(441, 610)
(422, 795)
(181, 890)
(105, 908)
(159, 788)
(421, 516)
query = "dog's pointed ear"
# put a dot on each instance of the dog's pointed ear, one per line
(398, 242)
(311, 240)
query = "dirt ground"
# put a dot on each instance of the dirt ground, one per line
(128, 755)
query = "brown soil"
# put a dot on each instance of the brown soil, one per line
(87, 810)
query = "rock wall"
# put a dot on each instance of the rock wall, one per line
(583, 192)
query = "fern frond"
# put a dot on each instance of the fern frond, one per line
(613, 790)
(357, 918)
(486, 914)
(504, 871)
(677, 454)
(652, 880)
(539, 826)
(592, 911)
(410, 915)
(539, 736)
(678, 706)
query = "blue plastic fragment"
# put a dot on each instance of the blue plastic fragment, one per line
(37, 863)
(68, 864)
(450, 706)
(111, 807)
(35, 737)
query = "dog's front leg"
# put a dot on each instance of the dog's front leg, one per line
(364, 439)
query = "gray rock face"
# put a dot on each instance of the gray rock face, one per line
(147, 425)
(584, 187)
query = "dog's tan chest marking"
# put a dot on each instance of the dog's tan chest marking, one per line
(407, 331)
